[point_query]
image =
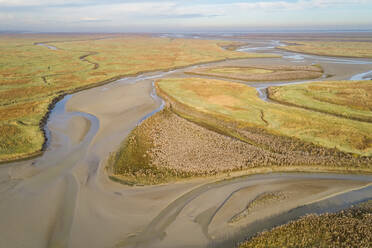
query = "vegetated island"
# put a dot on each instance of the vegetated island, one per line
(261, 73)
(331, 48)
(33, 77)
(213, 126)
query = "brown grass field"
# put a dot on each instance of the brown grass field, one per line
(261, 73)
(32, 76)
(348, 228)
(332, 48)
(349, 99)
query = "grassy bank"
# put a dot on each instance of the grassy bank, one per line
(167, 147)
(239, 104)
(349, 228)
(32, 76)
(349, 99)
(331, 48)
(261, 73)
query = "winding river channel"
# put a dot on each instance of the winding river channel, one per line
(64, 198)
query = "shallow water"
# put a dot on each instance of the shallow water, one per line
(46, 45)
(362, 76)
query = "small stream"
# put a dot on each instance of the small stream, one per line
(362, 76)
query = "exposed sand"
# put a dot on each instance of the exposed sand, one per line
(65, 199)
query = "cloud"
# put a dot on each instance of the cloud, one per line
(301, 4)
(177, 13)
(260, 4)
(187, 16)
(177, 7)
(29, 3)
(6, 16)
(93, 19)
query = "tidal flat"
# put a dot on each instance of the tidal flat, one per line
(200, 183)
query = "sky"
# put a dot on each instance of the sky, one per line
(183, 16)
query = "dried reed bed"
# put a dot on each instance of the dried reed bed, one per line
(261, 73)
(348, 228)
